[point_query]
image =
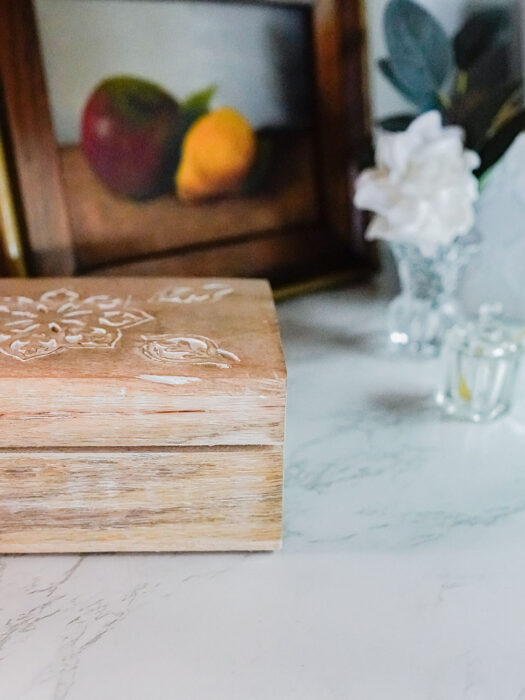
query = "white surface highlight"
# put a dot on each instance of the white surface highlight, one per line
(174, 381)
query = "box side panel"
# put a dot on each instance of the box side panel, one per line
(193, 500)
(149, 411)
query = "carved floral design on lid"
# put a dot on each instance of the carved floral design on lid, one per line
(181, 294)
(194, 350)
(61, 320)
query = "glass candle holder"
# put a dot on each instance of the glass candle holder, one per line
(427, 306)
(481, 360)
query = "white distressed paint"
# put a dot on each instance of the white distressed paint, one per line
(173, 381)
(62, 320)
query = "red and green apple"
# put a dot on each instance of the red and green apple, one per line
(131, 136)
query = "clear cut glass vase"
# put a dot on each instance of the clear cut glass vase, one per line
(428, 306)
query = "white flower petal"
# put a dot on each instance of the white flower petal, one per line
(375, 192)
(377, 228)
(423, 189)
(472, 160)
(393, 150)
(428, 126)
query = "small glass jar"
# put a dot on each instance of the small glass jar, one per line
(427, 306)
(481, 360)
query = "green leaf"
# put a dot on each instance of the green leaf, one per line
(200, 101)
(420, 51)
(479, 121)
(498, 144)
(485, 178)
(417, 92)
(492, 68)
(480, 32)
(192, 108)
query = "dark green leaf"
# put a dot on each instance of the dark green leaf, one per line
(200, 101)
(492, 68)
(480, 32)
(462, 105)
(194, 107)
(397, 122)
(478, 121)
(420, 51)
(417, 92)
(498, 144)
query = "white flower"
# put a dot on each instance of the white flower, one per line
(422, 189)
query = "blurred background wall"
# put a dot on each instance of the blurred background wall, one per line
(184, 46)
(85, 41)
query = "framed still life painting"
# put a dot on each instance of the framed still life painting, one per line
(185, 137)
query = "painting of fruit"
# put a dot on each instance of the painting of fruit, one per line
(142, 142)
(130, 132)
(218, 152)
(182, 127)
(157, 171)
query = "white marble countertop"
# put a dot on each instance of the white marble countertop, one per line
(402, 575)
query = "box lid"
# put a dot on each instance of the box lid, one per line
(139, 362)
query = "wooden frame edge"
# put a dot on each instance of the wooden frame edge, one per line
(34, 151)
(10, 233)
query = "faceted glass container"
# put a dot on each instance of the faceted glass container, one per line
(481, 360)
(427, 306)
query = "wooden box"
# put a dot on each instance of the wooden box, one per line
(140, 415)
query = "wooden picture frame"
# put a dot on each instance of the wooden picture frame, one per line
(334, 244)
(12, 257)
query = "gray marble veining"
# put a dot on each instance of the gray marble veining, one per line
(401, 577)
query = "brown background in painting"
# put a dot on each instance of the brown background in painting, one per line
(289, 199)
(284, 246)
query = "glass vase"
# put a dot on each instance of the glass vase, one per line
(428, 306)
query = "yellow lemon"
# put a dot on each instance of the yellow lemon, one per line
(218, 152)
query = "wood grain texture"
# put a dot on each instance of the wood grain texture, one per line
(33, 144)
(140, 415)
(146, 411)
(140, 501)
(128, 362)
(342, 110)
(11, 244)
